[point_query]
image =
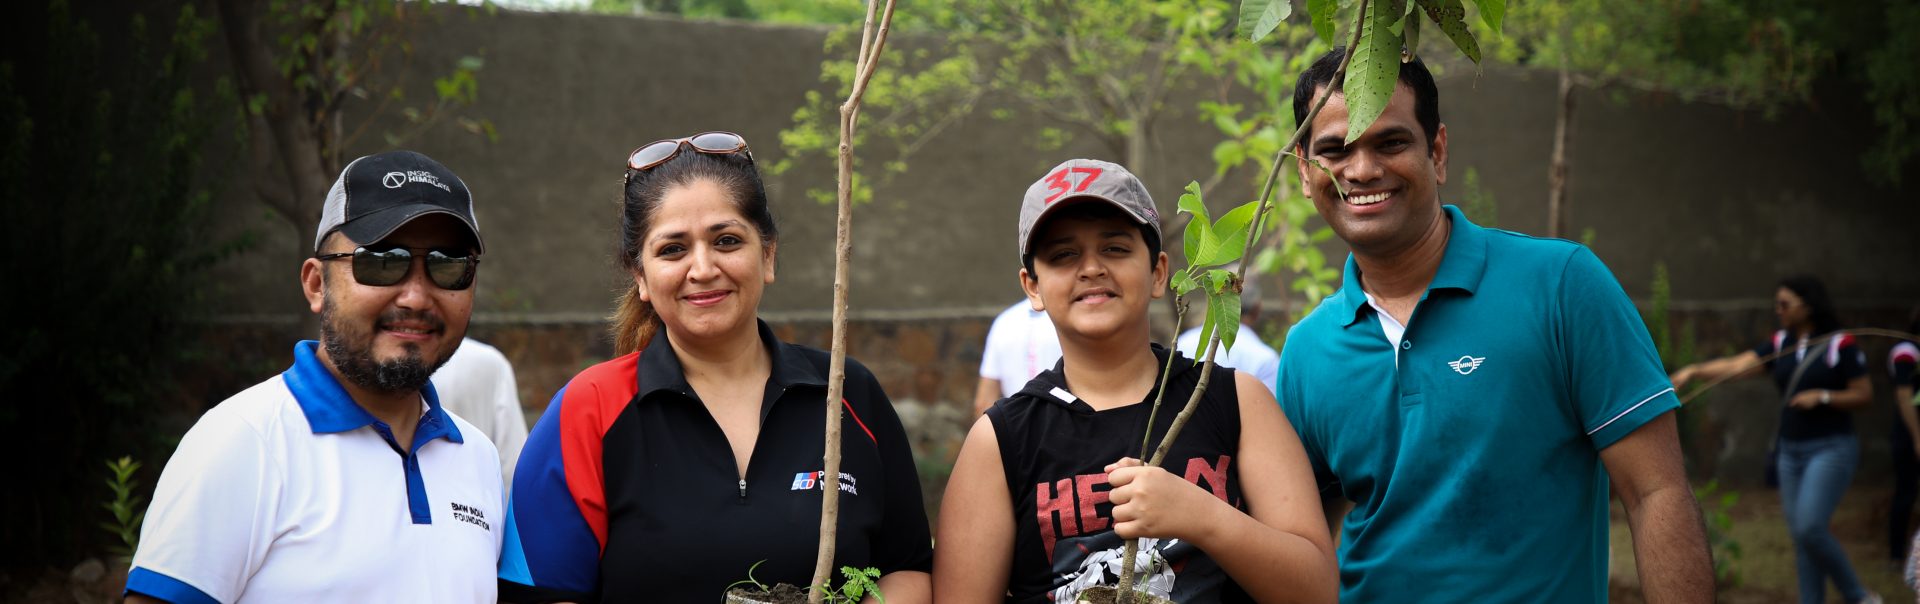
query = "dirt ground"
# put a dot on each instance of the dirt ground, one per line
(1766, 564)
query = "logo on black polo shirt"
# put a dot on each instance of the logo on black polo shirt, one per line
(470, 515)
(811, 480)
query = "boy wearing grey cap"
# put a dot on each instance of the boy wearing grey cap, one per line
(1044, 493)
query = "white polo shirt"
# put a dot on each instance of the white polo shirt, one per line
(1020, 344)
(290, 492)
(477, 385)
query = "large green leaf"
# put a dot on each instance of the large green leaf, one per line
(1223, 312)
(1198, 225)
(1492, 12)
(1375, 67)
(1259, 17)
(1225, 241)
(1451, 16)
(1322, 13)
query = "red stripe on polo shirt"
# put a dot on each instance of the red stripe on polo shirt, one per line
(588, 411)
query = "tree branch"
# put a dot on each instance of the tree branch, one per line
(872, 43)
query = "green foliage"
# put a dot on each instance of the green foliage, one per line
(1717, 507)
(1260, 17)
(1742, 53)
(333, 50)
(1477, 202)
(1386, 28)
(1252, 135)
(1208, 244)
(859, 583)
(1099, 67)
(1893, 88)
(126, 506)
(107, 243)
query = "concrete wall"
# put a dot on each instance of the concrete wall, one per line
(1729, 200)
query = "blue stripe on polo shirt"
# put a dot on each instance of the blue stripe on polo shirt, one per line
(149, 583)
(329, 409)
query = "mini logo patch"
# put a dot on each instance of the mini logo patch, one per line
(470, 515)
(1466, 364)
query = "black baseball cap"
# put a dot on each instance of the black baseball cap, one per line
(376, 194)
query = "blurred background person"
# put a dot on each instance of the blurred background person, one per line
(1903, 445)
(1020, 344)
(1249, 352)
(1818, 450)
(477, 384)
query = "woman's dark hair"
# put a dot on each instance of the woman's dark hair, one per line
(634, 321)
(1819, 305)
(1413, 75)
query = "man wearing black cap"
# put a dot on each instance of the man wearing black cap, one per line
(343, 479)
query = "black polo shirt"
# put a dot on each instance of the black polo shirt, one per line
(627, 489)
(1829, 366)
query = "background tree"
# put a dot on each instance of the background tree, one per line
(107, 243)
(302, 65)
(1740, 53)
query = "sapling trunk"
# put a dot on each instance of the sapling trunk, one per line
(872, 41)
(1126, 587)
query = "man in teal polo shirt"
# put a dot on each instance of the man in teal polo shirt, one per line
(1470, 390)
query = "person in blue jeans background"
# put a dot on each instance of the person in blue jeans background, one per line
(1818, 450)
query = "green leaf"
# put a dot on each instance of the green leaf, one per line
(1267, 262)
(1451, 16)
(1197, 232)
(1226, 241)
(1410, 31)
(1184, 283)
(1322, 13)
(1492, 12)
(1375, 68)
(1223, 311)
(1191, 203)
(1260, 17)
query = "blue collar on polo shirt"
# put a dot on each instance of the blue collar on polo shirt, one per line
(1461, 267)
(329, 409)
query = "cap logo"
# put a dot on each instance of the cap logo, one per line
(395, 180)
(1057, 181)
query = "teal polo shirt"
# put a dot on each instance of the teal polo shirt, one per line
(1474, 461)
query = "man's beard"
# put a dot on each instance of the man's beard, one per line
(351, 351)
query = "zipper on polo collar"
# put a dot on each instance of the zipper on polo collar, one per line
(743, 491)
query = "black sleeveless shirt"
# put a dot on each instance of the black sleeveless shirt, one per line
(1054, 449)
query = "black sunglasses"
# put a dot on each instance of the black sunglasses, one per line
(381, 268)
(712, 143)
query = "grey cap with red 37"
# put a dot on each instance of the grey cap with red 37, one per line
(378, 193)
(1077, 179)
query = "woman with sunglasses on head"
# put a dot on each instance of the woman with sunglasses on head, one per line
(1822, 378)
(692, 461)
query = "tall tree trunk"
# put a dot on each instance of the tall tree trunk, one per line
(872, 41)
(284, 143)
(1557, 170)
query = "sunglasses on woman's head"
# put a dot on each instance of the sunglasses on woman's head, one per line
(384, 267)
(651, 155)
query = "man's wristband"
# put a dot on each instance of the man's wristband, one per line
(1826, 397)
